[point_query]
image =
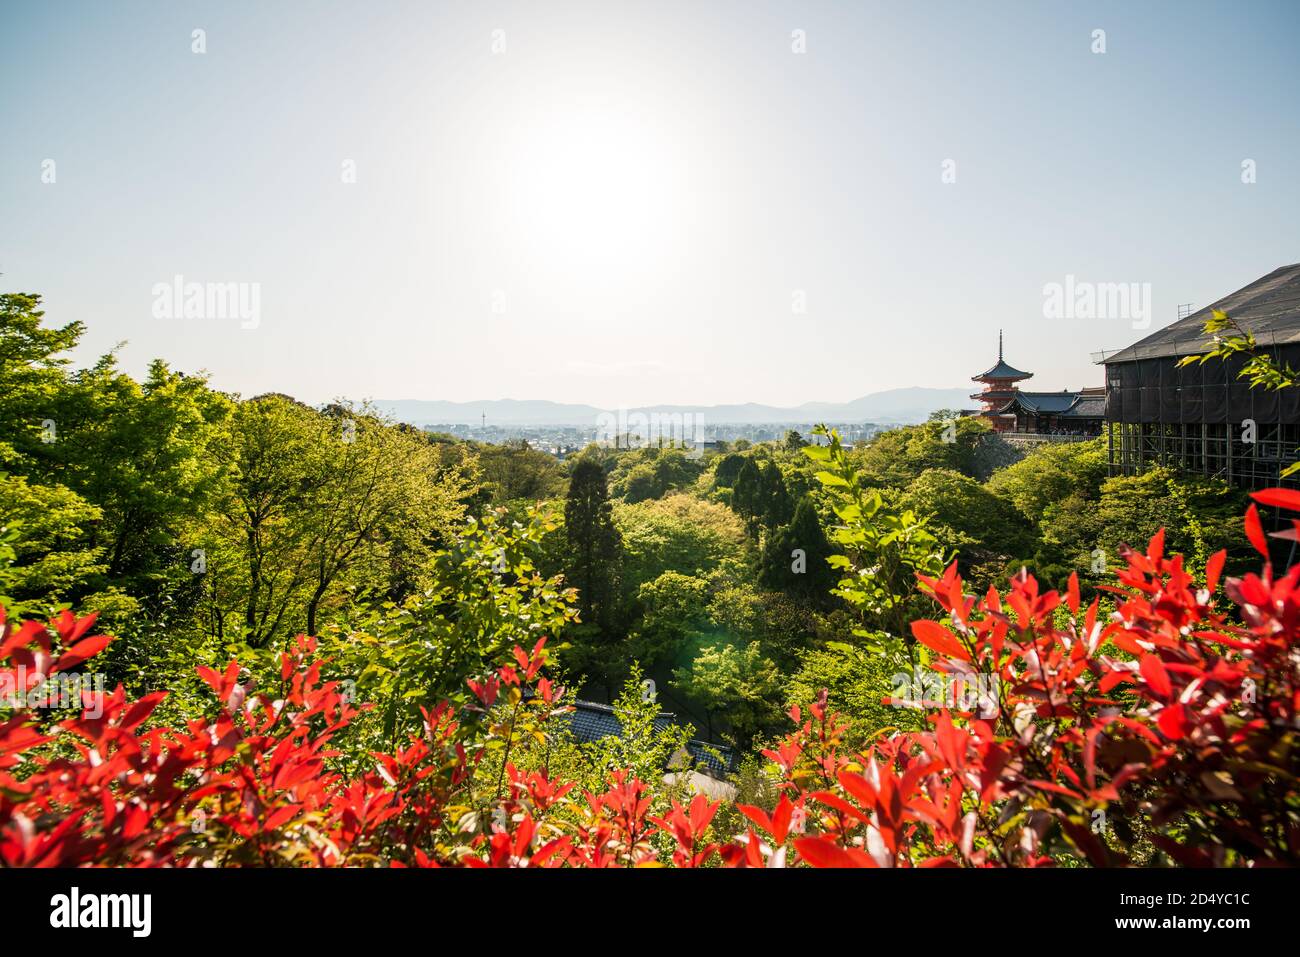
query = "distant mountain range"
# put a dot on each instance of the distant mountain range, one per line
(894, 406)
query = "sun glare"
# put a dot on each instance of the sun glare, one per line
(591, 189)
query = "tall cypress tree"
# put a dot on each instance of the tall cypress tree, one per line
(747, 495)
(724, 476)
(776, 507)
(595, 546)
(794, 560)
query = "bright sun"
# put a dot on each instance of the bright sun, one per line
(592, 189)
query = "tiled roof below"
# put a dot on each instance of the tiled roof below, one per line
(1073, 405)
(591, 721)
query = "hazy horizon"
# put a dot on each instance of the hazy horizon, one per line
(626, 205)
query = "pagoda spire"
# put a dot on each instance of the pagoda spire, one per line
(999, 345)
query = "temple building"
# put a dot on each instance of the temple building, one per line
(1058, 413)
(1204, 418)
(999, 389)
(1010, 410)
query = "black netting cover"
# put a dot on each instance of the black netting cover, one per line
(1157, 390)
(1132, 404)
(1288, 403)
(1150, 407)
(1216, 403)
(1171, 403)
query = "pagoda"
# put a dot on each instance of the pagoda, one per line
(999, 389)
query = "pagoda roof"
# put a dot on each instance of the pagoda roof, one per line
(1001, 370)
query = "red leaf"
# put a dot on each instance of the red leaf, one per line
(282, 816)
(821, 852)
(781, 819)
(141, 710)
(1279, 497)
(859, 787)
(939, 639)
(1174, 722)
(1255, 532)
(21, 638)
(1072, 596)
(1153, 670)
(71, 628)
(1156, 547)
(1214, 569)
(81, 651)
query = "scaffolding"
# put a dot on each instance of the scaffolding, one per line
(1202, 419)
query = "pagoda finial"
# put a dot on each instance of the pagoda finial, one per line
(999, 345)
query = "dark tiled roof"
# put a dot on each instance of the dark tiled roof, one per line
(721, 762)
(1269, 308)
(1088, 407)
(1073, 405)
(1002, 371)
(591, 721)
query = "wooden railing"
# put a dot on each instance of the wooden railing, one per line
(1044, 437)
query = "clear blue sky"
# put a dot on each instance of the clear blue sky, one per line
(643, 186)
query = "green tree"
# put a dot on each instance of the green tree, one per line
(49, 545)
(678, 533)
(747, 495)
(149, 455)
(727, 469)
(485, 595)
(515, 470)
(856, 683)
(897, 457)
(594, 545)
(674, 608)
(1051, 473)
(646, 473)
(1199, 517)
(383, 496)
(33, 372)
(796, 559)
(143, 456)
(739, 683)
(776, 508)
(259, 566)
(783, 626)
(882, 547)
(988, 533)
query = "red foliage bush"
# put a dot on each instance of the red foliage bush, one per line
(1168, 732)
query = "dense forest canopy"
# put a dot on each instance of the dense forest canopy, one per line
(241, 522)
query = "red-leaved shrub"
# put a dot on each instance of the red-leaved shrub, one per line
(1166, 733)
